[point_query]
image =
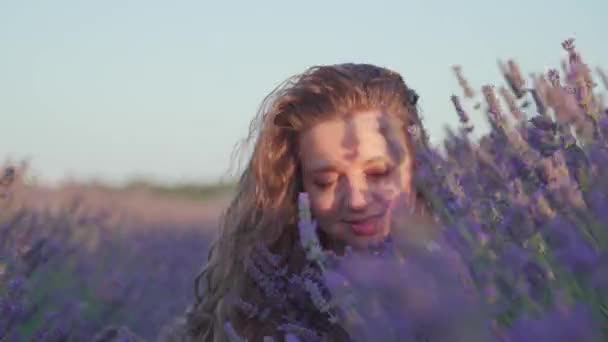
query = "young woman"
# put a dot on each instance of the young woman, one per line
(344, 134)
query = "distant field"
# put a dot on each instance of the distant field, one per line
(77, 259)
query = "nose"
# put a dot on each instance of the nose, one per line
(356, 196)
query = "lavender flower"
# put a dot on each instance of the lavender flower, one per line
(231, 333)
(468, 91)
(462, 114)
(554, 78)
(576, 324)
(308, 230)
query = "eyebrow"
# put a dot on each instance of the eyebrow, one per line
(324, 167)
(375, 160)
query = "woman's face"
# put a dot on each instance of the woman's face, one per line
(357, 171)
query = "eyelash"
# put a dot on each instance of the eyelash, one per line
(376, 174)
(324, 184)
(380, 173)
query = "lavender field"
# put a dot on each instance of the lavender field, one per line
(524, 208)
(78, 259)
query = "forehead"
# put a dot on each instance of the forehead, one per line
(351, 139)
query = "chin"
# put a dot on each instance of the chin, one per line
(343, 236)
(362, 242)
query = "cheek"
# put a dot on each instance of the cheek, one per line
(322, 203)
(403, 194)
(396, 186)
(400, 201)
(323, 208)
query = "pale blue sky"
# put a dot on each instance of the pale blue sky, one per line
(117, 88)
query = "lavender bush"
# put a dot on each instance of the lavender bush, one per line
(522, 252)
(78, 264)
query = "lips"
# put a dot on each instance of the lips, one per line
(366, 226)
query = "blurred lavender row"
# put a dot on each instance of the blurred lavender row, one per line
(78, 260)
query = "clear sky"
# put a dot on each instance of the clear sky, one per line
(117, 88)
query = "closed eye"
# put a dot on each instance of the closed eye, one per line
(324, 183)
(379, 173)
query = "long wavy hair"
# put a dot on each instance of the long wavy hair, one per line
(264, 208)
